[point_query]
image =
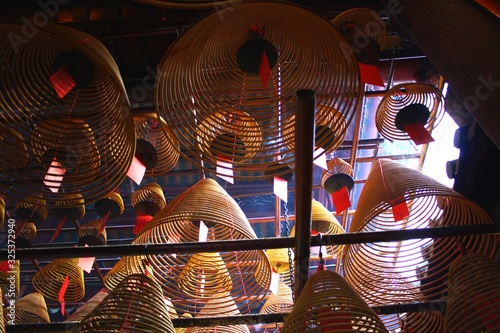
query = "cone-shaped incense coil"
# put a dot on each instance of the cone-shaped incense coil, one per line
(474, 295)
(149, 199)
(88, 234)
(135, 305)
(116, 274)
(361, 23)
(280, 303)
(229, 135)
(204, 206)
(28, 231)
(423, 322)
(11, 278)
(371, 268)
(31, 309)
(71, 207)
(338, 174)
(205, 274)
(329, 302)
(330, 130)
(49, 280)
(222, 304)
(280, 259)
(111, 204)
(262, 65)
(86, 308)
(32, 209)
(70, 112)
(161, 137)
(429, 111)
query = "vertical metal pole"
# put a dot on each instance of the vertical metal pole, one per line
(305, 123)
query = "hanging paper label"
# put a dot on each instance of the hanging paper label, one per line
(418, 133)
(264, 69)
(275, 279)
(86, 263)
(136, 171)
(5, 266)
(280, 188)
(320, 158)
(62, 81)
(370, 75)
(140, 222)
(103, 223)
(341, 200)
(54, 176)
(225, 169)
(58, 229)
(400, 211)
(203, 233)
(62, 291)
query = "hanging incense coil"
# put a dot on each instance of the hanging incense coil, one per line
(11, 279)
(180, 222)
(50, 278)
(89, 234)
(279, 259)
(329, 302)
(217, 306)
(111, 205)
(474, 295)
(32, 209)
(72, 207)
(26, 235)
(409, 103)
(116, 274)
(338, 175)
(374, 269)
(330, 129)
(253, 67)
(86, 308)
(2, 318)
(160, 136)
(364, 30)
(31, 309)
(67, 118)
(228, 135)
(136, 304)
(280, 303)
(149, 199)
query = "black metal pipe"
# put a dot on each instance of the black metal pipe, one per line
(305, 125)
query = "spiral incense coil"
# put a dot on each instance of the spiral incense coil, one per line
(407, 95)
(111, 205)
(161, 137)
(280, 303)
(279, 259)
(374, 269)
(474, 295)
(28, 231)
(88, 234)
(11, 279)
(329, 302)
(135, 305)
(191, 5)
(149, 199)
(180, 222)
(66, 118)
(219, 305)
(360, 23)
(251, 64)
(119, 272)
(31, 309)
(330, 129)
(229, 135)
(50, 278)
(2, 318)
(72, 207)
(32, 209)
(338, 175)
(86, 308)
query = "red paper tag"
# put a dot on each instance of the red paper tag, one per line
(341, 200)
(370, 75)
(264, 70)
(62, 81)
(140, 222)
(136, 171)
(5, 266)
(62, 291)
(54, 176)
(418, 133)
(103, 222)
(58, 229)
(400, 211)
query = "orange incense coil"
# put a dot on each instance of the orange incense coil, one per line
(149, 199)
(32, 309)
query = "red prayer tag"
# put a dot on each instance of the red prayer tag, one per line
(140, 222)
(103, 222)
(58, 229)
(341, 200)
(4, 266)
(400, 211)
(418, 133)
(62, 81)
(264, 69)
(370, 75)
(62, 291)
